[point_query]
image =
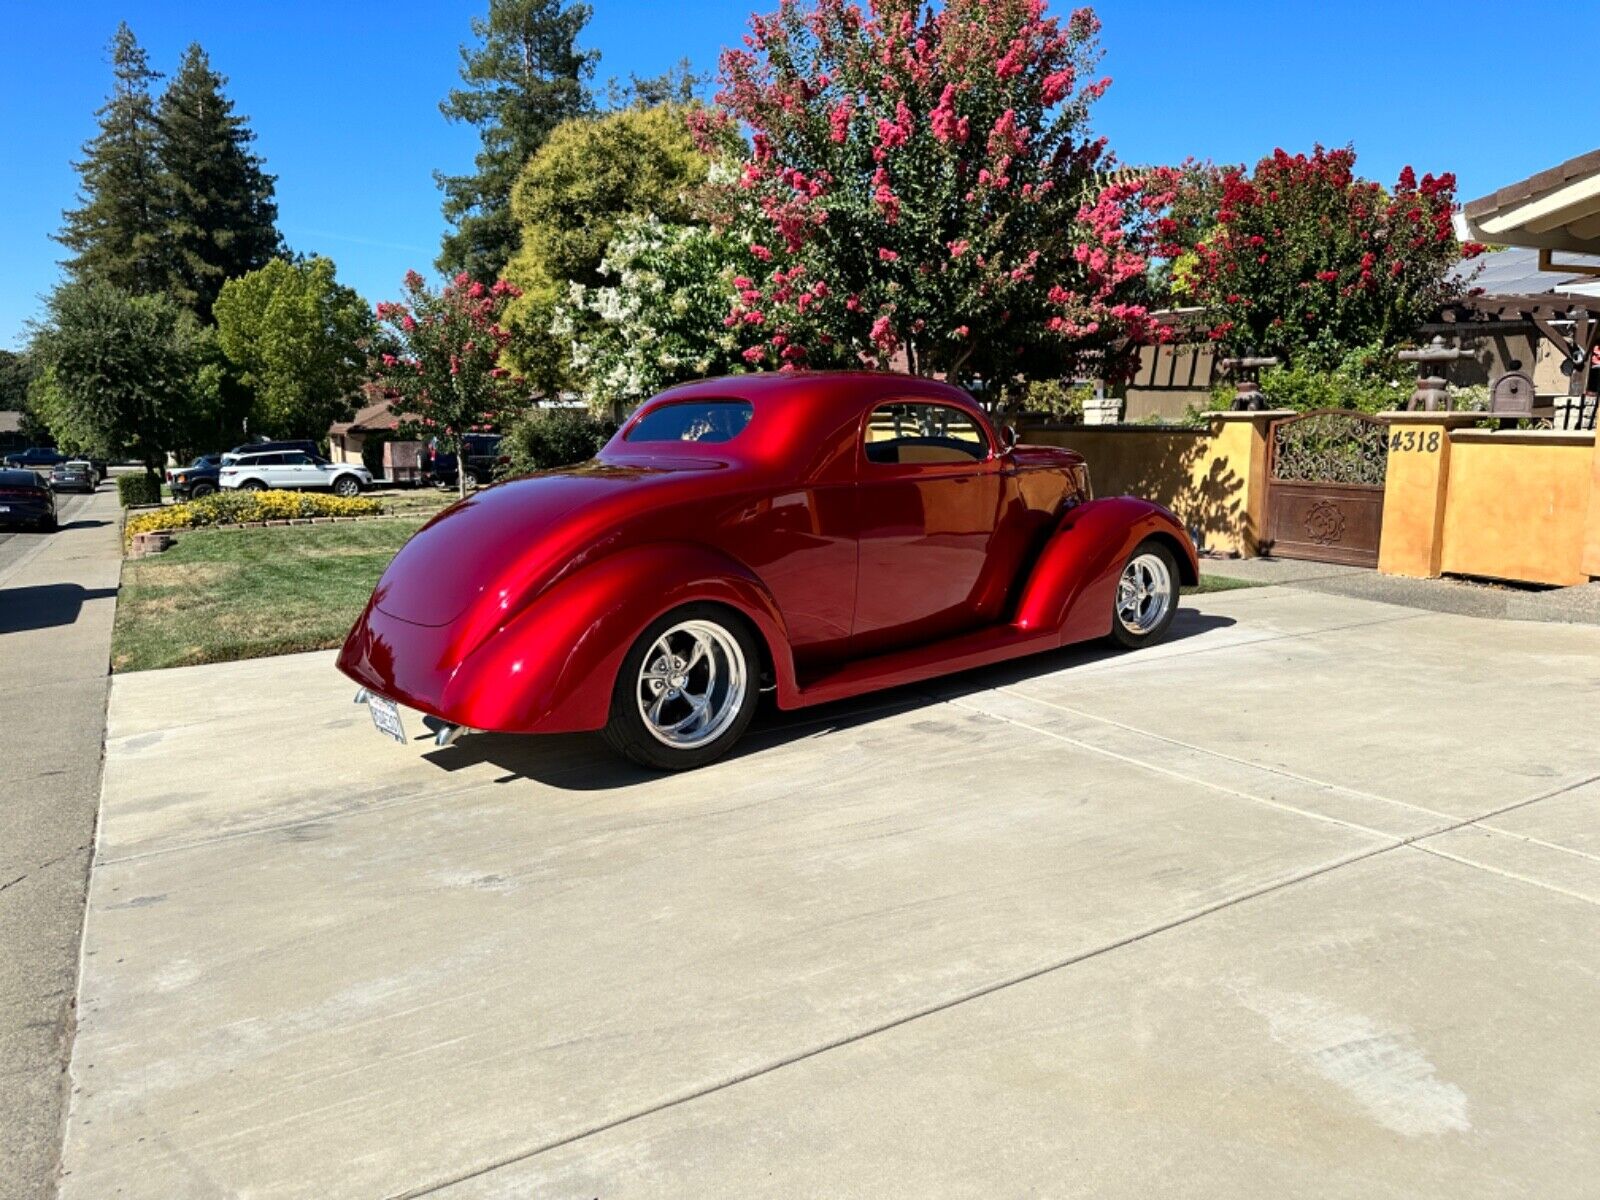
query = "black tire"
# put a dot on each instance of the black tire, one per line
(1127, 629)
(201, 490)
(628, 732)
(347, 486)
(48, 524)
(252, 485)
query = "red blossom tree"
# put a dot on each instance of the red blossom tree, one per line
(443, 362)
(922, 182)
(1305, 260)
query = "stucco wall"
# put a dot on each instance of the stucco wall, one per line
(1517, 505)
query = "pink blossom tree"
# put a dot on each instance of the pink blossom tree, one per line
(923, 183)
(442, 363)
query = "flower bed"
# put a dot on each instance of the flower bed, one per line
(244, 508)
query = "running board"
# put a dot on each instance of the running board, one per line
(978, 648)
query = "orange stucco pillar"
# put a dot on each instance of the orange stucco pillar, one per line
(1239, 452)
(1590, 562)
(1415, 491)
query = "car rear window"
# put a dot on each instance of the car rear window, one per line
(693, 421)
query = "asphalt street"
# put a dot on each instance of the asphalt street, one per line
(57, 600)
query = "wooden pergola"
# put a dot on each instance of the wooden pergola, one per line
(1556, 211)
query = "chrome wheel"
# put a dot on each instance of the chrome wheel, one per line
(1144, 593)
(692, 684)
(347, 487)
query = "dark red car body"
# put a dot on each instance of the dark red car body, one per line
(513, 609)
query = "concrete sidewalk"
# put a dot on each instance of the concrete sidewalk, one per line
(1303, 902)
(57, 600)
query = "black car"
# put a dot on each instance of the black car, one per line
(36, 457)
(198, 479)
(26, 499)
(73, 477)
(483, 460)
(273, 447)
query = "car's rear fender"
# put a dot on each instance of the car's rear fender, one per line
(551, 668)
(1074, 581)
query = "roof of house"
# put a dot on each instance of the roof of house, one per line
(376, 417)
(1556, 209)
(1515, 271)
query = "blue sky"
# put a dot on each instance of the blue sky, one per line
(343, 96)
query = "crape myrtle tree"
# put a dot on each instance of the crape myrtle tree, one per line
(924, 185)
(443, 367)
(1303, 259)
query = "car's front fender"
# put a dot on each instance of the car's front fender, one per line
(552, 666)
(1073, 584)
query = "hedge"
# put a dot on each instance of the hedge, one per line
(138, 489)
(239, 508)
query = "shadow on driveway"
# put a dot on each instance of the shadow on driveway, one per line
(583, 761)
(45, 606)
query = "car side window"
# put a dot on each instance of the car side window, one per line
(923, 433)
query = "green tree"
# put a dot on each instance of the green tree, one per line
(16, 373)
(219, 211)
(298, 339)
(524, 77)
(115, 233)
(590, 174)
(118, 371)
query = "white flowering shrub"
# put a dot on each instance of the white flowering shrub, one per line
(662, 317)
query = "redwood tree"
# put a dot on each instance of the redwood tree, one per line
(444, 365)
(922, 181)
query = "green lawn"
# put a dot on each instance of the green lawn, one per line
(1219, 583)
(220, 595)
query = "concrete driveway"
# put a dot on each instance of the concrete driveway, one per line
(1302, 903)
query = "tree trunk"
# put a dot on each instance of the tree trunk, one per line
(461, 465)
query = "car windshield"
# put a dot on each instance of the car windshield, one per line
(693, 421)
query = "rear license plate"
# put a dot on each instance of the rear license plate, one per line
(386, 716)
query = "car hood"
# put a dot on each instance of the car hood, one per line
(500, 546)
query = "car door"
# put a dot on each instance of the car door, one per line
(297, 471)
(928, 496)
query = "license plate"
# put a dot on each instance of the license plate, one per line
(386, 716)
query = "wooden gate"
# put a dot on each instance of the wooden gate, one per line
(1325, 475)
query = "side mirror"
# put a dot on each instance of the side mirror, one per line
(1008, 437)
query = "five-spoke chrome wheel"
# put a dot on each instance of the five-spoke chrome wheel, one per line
(692, 684)
(1145, 593)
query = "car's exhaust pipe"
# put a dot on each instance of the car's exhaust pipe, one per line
(446, 735)
(361, 695)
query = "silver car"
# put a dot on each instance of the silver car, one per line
(292, 470)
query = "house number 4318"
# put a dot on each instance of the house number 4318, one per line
(1410, 439)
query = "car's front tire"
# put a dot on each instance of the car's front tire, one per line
(200, 491)
(347, 486)
(687, 689)
(1147, 596)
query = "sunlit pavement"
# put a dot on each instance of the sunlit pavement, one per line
(1301, 903)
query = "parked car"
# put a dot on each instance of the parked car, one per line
(74, 477)
(26, 499)
(293, 469)
(199, 478)
(304, 447)
(818, 535)
(36, 458)
(440, 466)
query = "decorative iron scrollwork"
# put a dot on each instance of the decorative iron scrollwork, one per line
(1330, 446)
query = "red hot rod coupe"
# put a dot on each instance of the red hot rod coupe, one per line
(815, 535)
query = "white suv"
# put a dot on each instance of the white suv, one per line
(291, 469)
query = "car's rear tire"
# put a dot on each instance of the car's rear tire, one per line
(252, 485)
(48, 524)
(347, 486)
(687, 689)
(1147, 596)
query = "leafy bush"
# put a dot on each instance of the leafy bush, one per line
(138, 489)
(553, 437)
(238, 508)
(1366, 379)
